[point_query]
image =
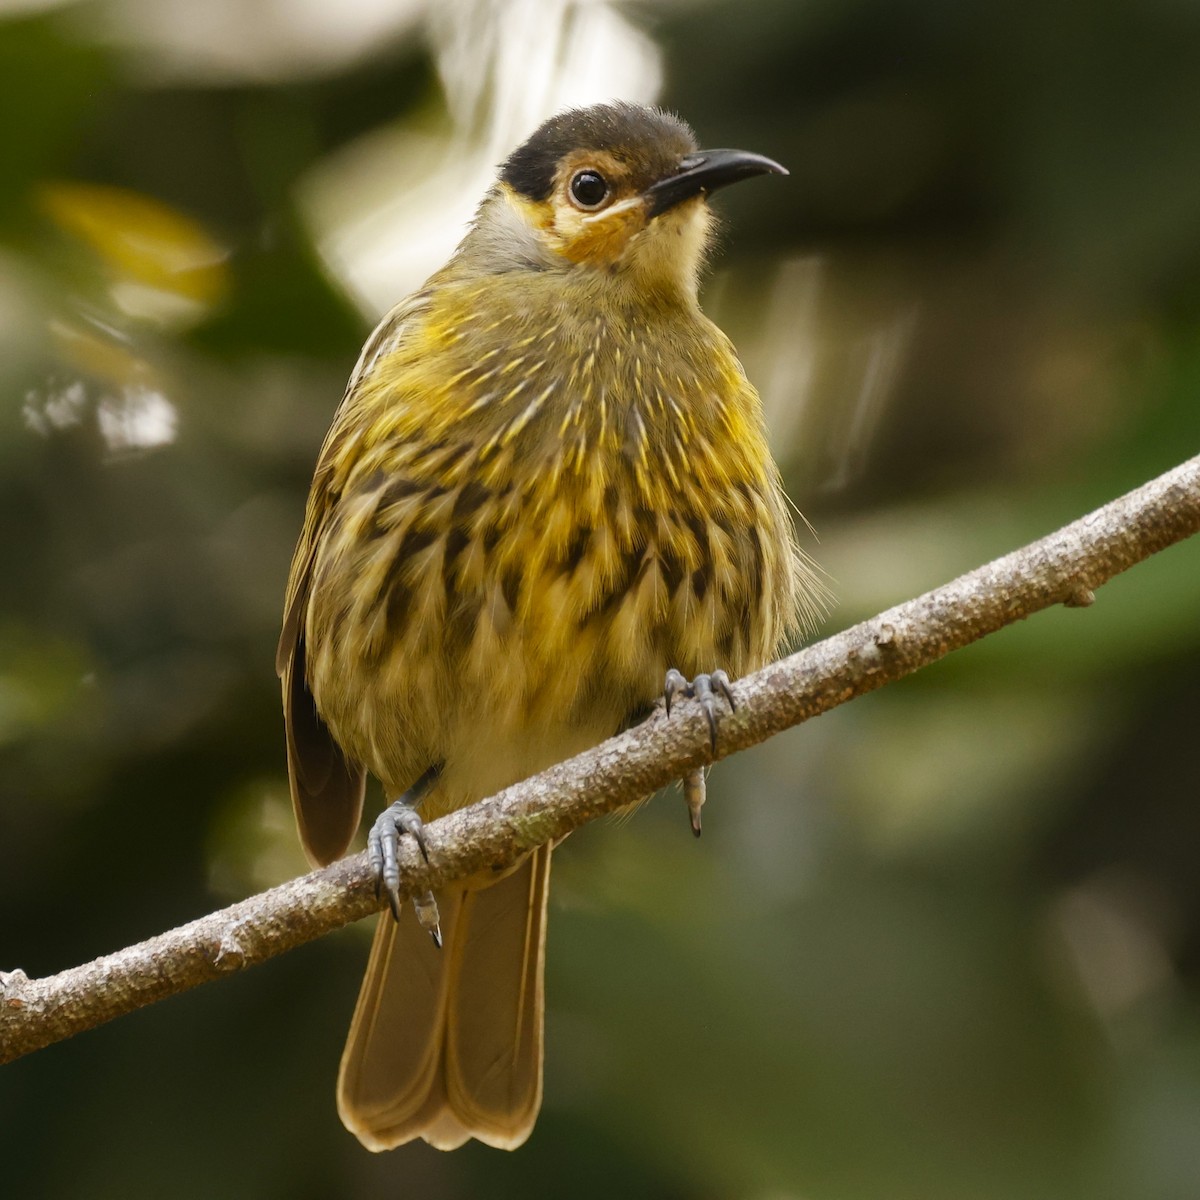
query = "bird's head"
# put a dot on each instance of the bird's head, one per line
(615, 188)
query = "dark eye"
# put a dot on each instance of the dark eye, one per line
(589, 189)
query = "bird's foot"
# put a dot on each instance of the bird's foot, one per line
(704, 688)
(383, 847)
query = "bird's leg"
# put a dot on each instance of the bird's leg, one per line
(704, 688)
(383, 846)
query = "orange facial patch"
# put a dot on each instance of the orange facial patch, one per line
(598, 236)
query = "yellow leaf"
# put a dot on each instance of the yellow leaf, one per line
(144, 243)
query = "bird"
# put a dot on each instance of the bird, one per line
(545, 503)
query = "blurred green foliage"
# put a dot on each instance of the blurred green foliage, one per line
(944, 942)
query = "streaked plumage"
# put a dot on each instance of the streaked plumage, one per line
(547, 484)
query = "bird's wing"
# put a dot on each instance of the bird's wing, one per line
(327, 787)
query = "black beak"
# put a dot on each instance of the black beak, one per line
(705, 171)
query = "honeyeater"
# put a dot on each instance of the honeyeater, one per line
(545, 498)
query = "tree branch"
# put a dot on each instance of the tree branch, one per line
(1064, 568)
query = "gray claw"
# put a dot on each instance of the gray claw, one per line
(721, 682)
(407, 821)
(428, 917)
(694, 791)
(675, 686)
(702, 690)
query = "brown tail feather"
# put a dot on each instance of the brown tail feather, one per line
(447, 1044)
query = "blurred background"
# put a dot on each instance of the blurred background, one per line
(943, 942)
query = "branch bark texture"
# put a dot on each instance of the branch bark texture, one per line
(1064, 568)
